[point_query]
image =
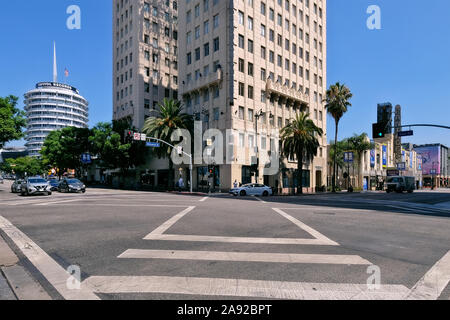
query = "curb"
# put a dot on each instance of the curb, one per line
(21, 284)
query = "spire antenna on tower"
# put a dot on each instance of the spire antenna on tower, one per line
(55, 69)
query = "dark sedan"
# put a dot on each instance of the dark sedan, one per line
(54, 183)
(71, 185)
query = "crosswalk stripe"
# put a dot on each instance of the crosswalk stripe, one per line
(245, 257)
(243, 288)
(195, 238)
(432, 284)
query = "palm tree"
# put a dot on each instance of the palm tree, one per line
(360, 144)
(169, 119)
(299, 140)
(337, 103)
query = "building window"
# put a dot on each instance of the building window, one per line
(241, 89)
(250, 46)
(241, 41)
(241, 65)
(216, 44)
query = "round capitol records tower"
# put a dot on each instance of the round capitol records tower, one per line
(52, 106)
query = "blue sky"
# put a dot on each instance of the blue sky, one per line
(406, 62)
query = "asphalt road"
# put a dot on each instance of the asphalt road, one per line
(141, 245)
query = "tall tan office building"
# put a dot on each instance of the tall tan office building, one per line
(145, 57)
(250, 66)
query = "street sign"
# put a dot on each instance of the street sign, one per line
(401, 166)
(143, 137)
(348, 156)
(153, 145)
(137, 137)
(406, 133)
(86, 158)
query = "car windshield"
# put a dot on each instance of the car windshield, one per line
(394, 180)
(247, 186)
(37, 181)
(73, 181)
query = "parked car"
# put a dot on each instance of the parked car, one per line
(54, 183)
(16, 186)
(71, 185)
(34, 186)
(252, 189)
(400, 184)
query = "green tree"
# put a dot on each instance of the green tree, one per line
(360, 144)
(63, 148)
(169, 119)
(30, 166)
(299, 140)
(337, 102)
(108, 143)
(12, 120)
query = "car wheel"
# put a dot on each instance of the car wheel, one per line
(49, 193)
(265, 194)
(243, 193)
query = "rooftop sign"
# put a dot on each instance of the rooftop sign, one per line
(57, 85)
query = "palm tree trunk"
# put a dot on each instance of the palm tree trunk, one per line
(300, 172)
(335, 157)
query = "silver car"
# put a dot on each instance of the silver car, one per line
(16, 187)
(34, 186)
(252, 189)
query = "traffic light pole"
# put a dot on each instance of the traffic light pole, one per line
(191, 166)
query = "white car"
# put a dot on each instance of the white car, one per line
(252, 189)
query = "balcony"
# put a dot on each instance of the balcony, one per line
(202, 83)
(289, 94)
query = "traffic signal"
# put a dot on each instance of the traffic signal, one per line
(128, 136)
(378, 130)
(384, 121)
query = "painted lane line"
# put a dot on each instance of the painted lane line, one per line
(244, 257)
(204, 199)
(49, 268)
(243, 288)
(193, 238)
(306, 228)
(127, 205)
(432, 284)
(260, 200)
(169, 223)
(58, 202)
(409, 209)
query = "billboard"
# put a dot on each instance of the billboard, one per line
(372, 158)
(430, 159)
(384, 148)
(411, 158)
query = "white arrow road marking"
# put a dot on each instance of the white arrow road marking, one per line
(432, 284)
(320, 240)
(245, 257)
(244, 288)
(308, 229)
(169, 223)
(204, 199)
(49, 268)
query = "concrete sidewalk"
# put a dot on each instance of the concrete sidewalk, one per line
(15, 282)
